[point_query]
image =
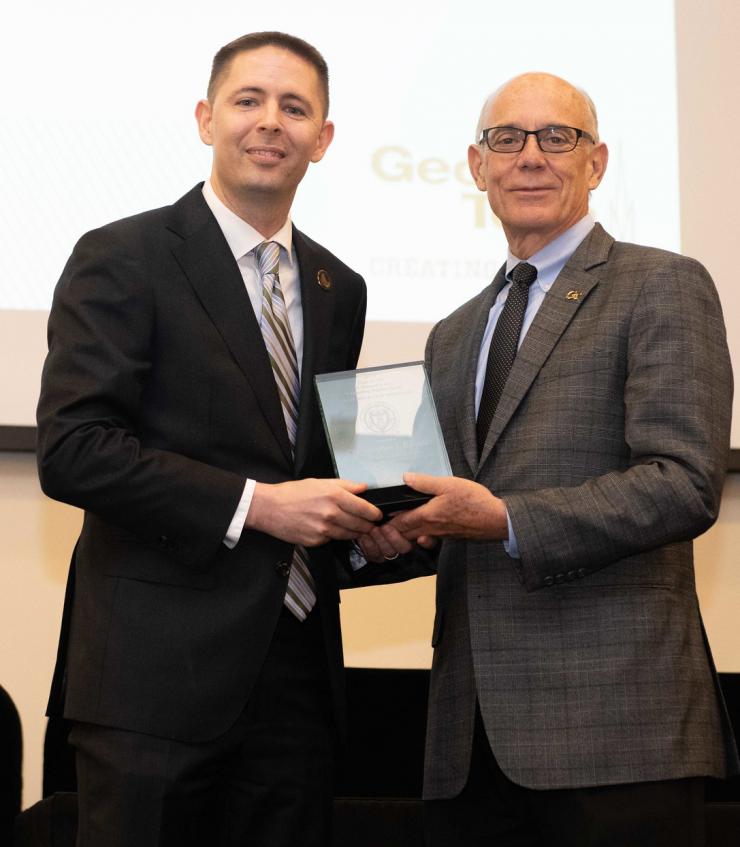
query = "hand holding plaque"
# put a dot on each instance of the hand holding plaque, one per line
(381, 423)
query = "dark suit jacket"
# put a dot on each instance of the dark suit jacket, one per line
(609, 447)
(157, 402)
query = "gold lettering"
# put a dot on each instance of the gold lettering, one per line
(434, 171)
(392, 164)
(479, 208)
(482, 212)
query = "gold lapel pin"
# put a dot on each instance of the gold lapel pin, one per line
(574, 294)
(324, 279)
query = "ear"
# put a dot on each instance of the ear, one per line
(475, 163)
(203, 115)
(323, 141)
(598, 160)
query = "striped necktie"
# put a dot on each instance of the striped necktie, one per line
(300, 595)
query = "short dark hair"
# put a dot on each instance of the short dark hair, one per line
(253, 41)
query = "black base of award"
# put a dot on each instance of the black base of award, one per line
(395, 498)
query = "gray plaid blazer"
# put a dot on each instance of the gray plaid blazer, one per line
(609, 447)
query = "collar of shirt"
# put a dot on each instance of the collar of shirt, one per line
(551, 259)
(549, 262)
(241, 236)
(242, 239)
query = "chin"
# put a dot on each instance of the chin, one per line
(264, 186)
(533, 222)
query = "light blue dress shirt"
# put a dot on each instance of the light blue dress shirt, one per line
(549, 262)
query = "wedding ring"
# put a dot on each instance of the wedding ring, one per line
(390, 558)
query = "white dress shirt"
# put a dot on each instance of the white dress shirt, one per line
(242, 239)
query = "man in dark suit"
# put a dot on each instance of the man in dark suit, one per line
(573, 696)
(200, 656)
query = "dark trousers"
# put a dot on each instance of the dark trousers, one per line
(493, 811)
(267, 782)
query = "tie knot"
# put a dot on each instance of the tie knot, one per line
(268, 257)
(524, 274)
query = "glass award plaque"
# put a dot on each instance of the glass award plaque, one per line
(380, 423)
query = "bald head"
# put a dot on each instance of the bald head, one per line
(575, 100)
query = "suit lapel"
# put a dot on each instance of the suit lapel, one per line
(209, 265)
(566, 296)
(465, 373)
(318, 311)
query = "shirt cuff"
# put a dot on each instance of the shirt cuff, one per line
(510, 545)
(234, 532)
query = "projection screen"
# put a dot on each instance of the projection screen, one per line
(99, 124)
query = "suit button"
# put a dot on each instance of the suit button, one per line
(581, 572)
(283, 568)
(570, 576)
(548, 580)
(164, 542)
(559, 577)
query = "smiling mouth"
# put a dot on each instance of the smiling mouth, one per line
(267, 154)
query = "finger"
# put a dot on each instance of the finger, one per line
(370, 549)
(338, 532)
(351, 486)
(385, 549)
(353, 513)
(427, 542)
(358, 506)
(349, 526)
(407, 523)
(425, 483)
(393, 540)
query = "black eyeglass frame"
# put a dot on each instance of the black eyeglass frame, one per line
(580, 133)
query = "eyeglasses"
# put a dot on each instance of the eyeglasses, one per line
(550, 139)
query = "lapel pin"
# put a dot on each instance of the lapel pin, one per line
(324, 279)
(574, 294)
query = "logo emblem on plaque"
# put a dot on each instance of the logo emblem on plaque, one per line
(380, 418)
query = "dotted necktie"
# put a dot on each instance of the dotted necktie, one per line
(504, 344)
(300, 596)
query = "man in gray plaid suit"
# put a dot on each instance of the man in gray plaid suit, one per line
(573, 696)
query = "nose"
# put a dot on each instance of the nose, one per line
(270, 116)
(530, 156)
